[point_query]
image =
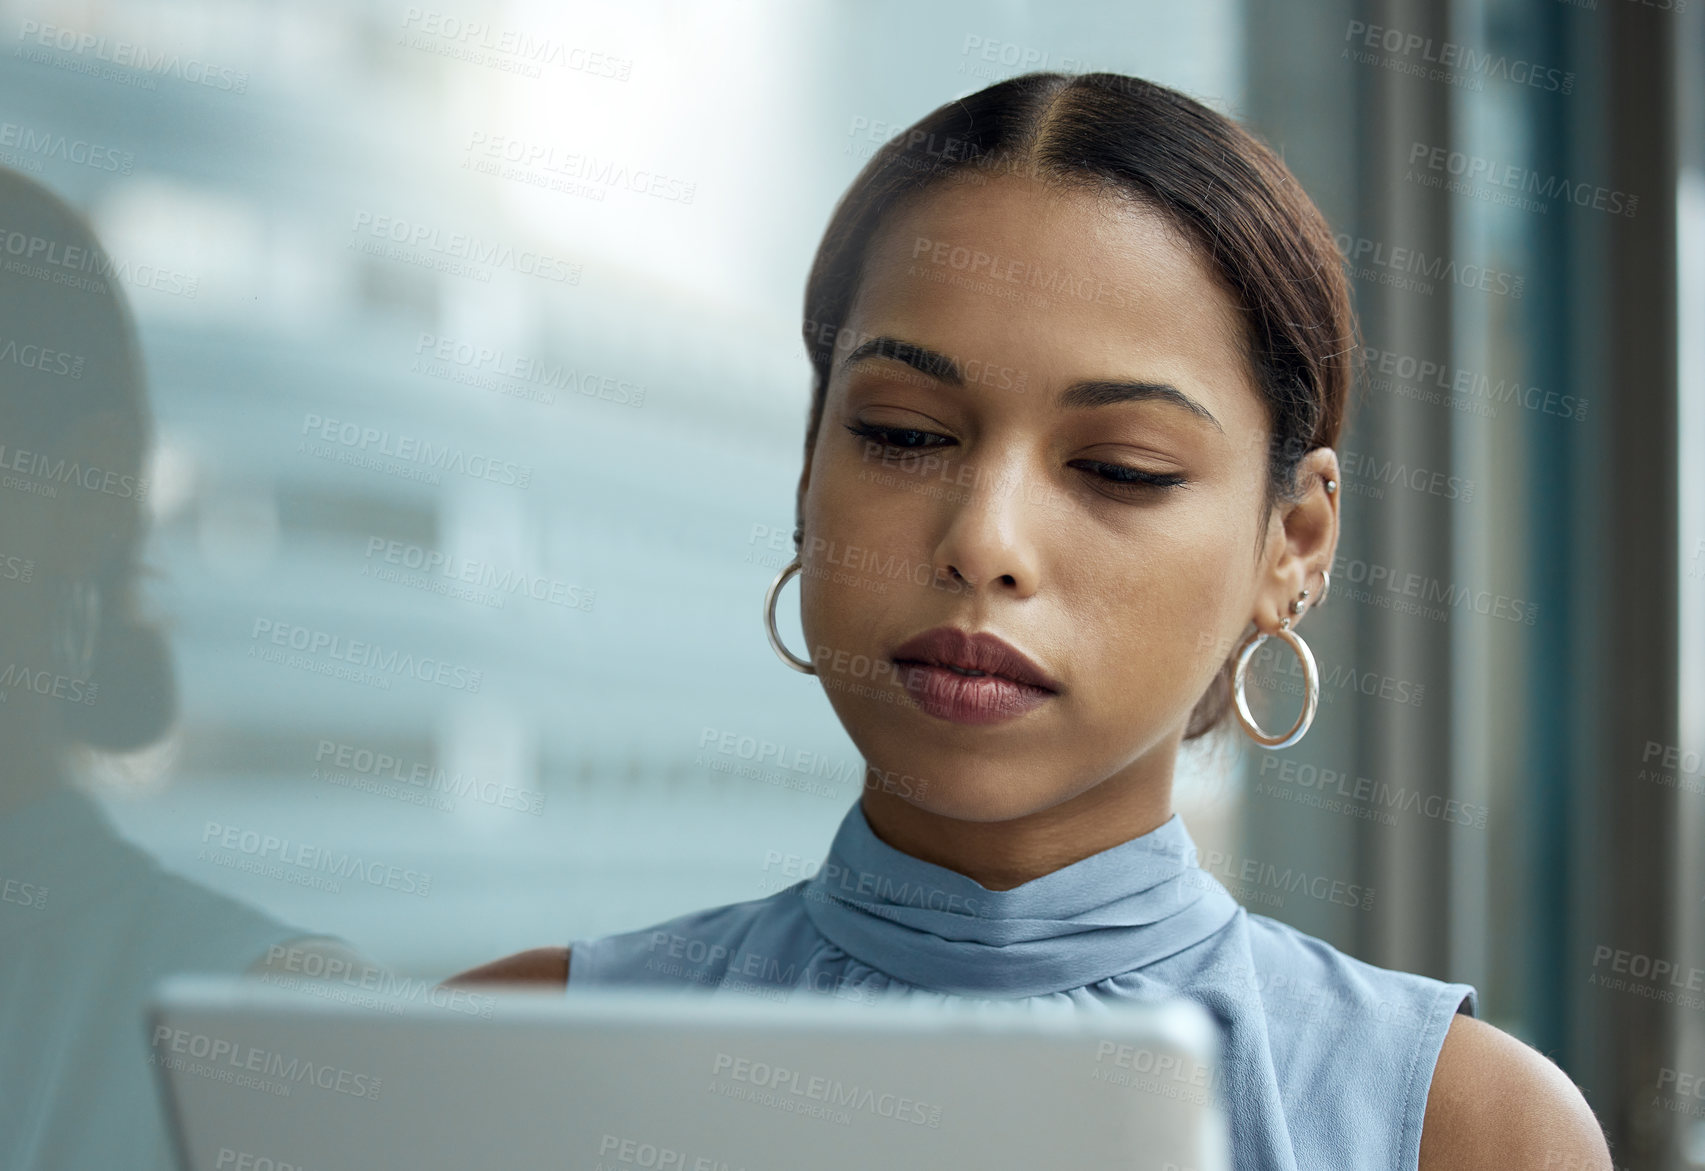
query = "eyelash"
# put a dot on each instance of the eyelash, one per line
(1130, 478)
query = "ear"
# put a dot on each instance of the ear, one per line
(70, 534)
(1302, 538)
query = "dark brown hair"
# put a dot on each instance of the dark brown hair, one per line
(1133, 140)
(82, 314)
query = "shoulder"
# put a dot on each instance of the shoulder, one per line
(701, 948)
(1311, 985)
(1497, 1102)
(165, 921)
(695, 947)
(539, 965)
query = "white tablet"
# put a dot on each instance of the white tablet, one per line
(262, 1078)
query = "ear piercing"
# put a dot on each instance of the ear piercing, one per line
(1300, 602)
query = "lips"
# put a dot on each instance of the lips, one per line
(972, 654)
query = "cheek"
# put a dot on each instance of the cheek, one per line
(867, 516)
(1154, 619)
(854, 560)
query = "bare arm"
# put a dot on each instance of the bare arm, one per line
(1496, 1102)
(542, 966)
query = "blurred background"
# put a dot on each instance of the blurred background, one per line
(471, 339)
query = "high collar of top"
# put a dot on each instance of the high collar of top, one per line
(1114, 912)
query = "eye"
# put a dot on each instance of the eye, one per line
(896, 439)
(1129, 479)
(1123, 479)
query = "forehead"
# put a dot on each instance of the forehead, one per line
(1061, 282)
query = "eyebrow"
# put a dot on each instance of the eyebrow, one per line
(1097, 392)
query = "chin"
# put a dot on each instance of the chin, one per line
(979, 799)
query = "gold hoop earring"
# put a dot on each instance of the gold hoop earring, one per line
(803, 666)
(1311, 687)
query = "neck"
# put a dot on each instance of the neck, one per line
(1000, 855)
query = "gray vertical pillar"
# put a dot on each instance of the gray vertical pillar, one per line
(1623, 685)
(1407, 530)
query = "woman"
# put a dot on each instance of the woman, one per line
(1082, 351)
(89, 922)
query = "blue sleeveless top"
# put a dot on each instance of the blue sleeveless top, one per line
(1325, 1060)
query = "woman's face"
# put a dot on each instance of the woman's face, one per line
(1059, 442)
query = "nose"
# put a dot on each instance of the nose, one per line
(987, 542)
